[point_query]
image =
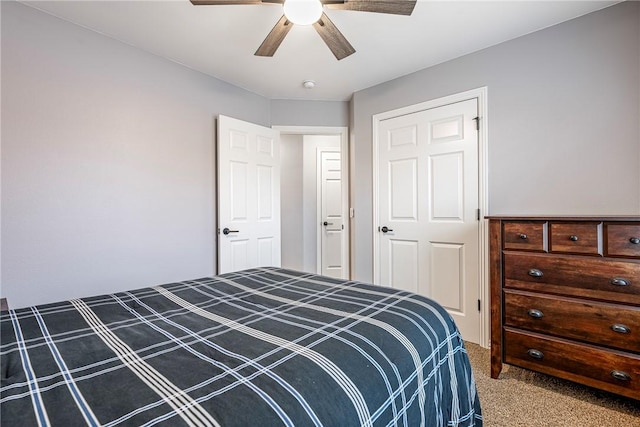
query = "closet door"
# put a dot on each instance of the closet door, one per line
(428, 231)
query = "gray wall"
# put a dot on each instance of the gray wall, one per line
(107, 162)
(309, 113)
(291, 201)
(564, 108)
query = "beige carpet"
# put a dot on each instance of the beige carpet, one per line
(524, 398)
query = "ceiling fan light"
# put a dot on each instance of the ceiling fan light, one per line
(303, 12)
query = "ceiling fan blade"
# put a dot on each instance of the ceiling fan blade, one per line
(225, 2)
(338, 44)
(275, 37)
(396, 7)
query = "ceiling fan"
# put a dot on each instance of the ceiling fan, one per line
(310, 12)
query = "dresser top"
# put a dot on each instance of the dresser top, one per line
(566, 217)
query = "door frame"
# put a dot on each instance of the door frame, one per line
(483, 192)
(342, 132)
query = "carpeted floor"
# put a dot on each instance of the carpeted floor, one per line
(524, 398)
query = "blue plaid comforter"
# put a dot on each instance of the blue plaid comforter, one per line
(261, 347)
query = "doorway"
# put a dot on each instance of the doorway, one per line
(429, 198)
(305, 237)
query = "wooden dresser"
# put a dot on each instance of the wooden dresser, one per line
(565, 298)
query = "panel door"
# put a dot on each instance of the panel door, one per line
(428, 194)
(331, 214)
(402, 167)
(248, 195)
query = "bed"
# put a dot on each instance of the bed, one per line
(260, 347)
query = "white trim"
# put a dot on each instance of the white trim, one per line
(483, 192)
(344, 160)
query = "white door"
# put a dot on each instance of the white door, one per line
(330, 204)
(428, 200)
(248, 195)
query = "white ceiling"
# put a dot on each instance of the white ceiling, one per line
(220, 40)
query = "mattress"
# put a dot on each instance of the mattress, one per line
(260, 347)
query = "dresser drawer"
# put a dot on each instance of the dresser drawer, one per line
(576, 238)
(610, 370)
(622, 240)
(585, 277)
(525, 235)
(599, 323)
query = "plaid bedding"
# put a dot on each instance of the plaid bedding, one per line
(261, 347)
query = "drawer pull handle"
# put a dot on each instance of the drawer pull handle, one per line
(573, 238)
(635, 240)
(622, 329)
(537, 354)
(523, 236)
(620, 375)
(537, 314)
(618, 281)
(534, 272)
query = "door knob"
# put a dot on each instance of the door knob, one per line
(327, 223)
(226, 231)
(385, 229)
